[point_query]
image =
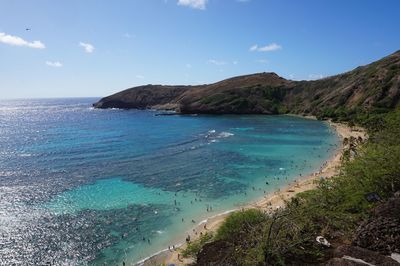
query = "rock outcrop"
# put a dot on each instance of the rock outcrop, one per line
(352, 255)
(381, 232)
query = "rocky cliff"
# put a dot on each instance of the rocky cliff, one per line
(373, 86)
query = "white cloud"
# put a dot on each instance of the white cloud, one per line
(18, 41)
(267, 48)
(54, 64)
(197, 4)
(253, 48)
(128, 35)
(315, 76)
(89, 48)
(217, 62)
(262, 61)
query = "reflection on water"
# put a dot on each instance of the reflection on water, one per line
(80, 185)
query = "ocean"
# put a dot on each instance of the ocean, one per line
(83, 186)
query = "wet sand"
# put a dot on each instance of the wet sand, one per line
(269, 202)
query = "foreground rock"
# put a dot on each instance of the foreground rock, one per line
(351, 255)
(381, 232)
(215, 253)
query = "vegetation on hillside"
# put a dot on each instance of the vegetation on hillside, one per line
(367, 89)
(333, 210)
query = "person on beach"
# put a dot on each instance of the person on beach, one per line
(205, 226)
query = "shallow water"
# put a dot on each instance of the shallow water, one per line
(86, 186)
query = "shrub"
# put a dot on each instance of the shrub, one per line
(194, 247)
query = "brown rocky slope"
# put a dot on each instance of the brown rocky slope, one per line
(374, 86)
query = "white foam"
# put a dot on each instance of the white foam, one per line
(225, 135)
(141, 262)
(217, 215)
(202, 222)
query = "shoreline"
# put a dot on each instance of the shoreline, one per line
(268, 203)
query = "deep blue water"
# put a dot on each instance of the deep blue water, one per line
(86, 186)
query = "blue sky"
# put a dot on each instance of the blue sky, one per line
(95, 48)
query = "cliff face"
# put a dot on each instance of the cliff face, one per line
(143, 97)
(376, 85)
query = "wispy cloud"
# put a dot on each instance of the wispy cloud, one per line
(315, 76)
(197, 4)
(267, 48)
(217, 62)
(139, 77)
(89, 48)
(261, 61)
(253, 48)
(54, 64)
(18, 41)
(128, 35)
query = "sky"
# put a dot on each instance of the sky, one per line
(79, 48)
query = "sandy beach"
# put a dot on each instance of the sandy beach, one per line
(271, 201)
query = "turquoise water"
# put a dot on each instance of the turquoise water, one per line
(84, 186)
